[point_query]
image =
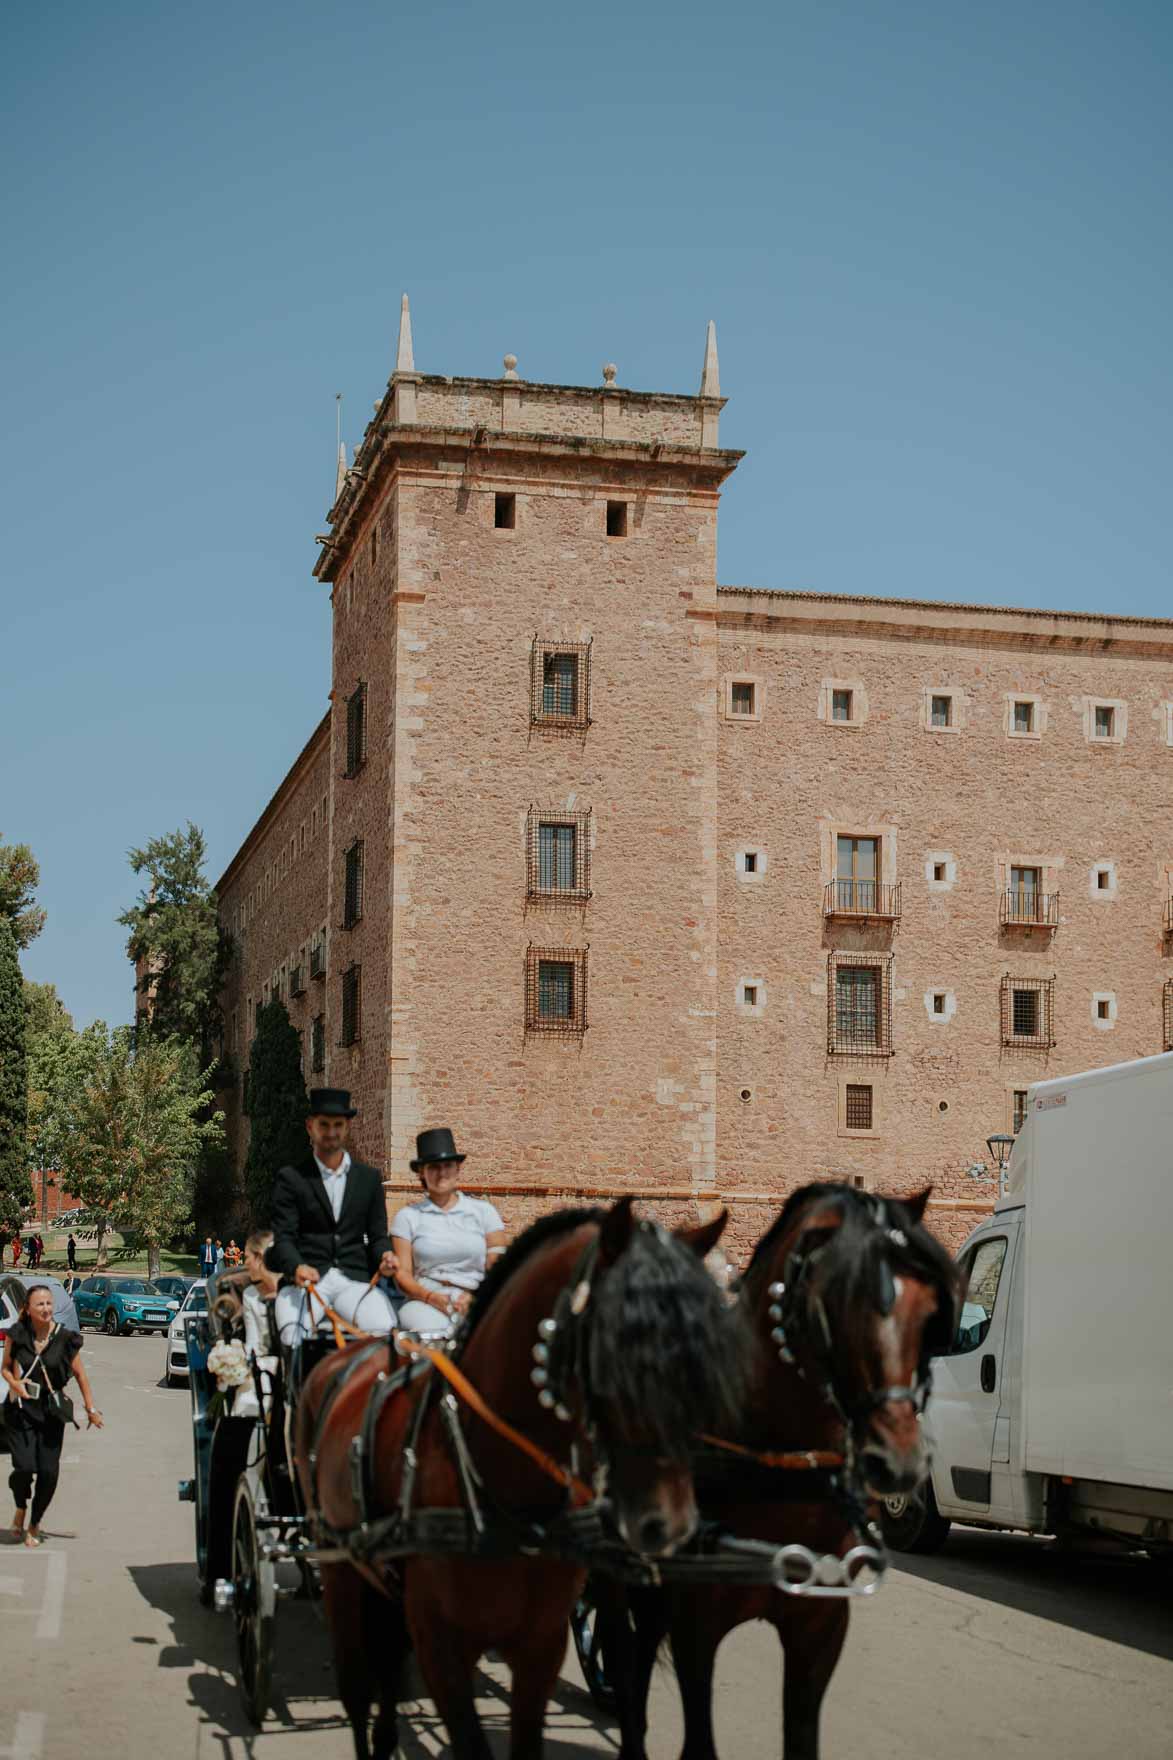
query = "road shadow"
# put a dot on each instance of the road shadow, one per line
(304, 1700)
(1104, 1594)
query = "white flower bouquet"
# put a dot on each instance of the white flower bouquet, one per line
(228, 1362)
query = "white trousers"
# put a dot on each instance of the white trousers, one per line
(422, 1317)
(298, 1317)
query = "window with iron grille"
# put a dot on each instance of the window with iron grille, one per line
(318, 959)
(857, 1106)
(352, 894)
(351, 1003)
(1028, 1011)
(859, 1004)
(1018, 1110)
(318, 1044)
(556, 990)
(1167, 1040)
(560, 684)
(558, 854)
(296, 980)
(356, 730)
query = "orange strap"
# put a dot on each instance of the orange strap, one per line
(801, 1460)
(460, 1384)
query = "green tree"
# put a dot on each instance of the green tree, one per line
(135, 1134)
(20, 876)
(60, 1061)
(276, 1103)
(15, 1188)
(44, 1011)
(176, 940)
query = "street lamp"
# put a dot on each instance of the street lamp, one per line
(1000, 1146)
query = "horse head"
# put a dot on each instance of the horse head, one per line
(635, 1351)
(857, 1295)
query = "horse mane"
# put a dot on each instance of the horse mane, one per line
(850, 1262)
(546, 1228)
(667, 1355)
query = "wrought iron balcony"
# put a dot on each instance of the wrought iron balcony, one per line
(1021, 907)
(863, 900)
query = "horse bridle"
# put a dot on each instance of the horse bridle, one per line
(799, 1317)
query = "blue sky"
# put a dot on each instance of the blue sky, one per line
(935, 238)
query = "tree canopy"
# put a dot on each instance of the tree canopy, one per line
(20, 875)
(175, 937)
(276, 1103)
(15, 1187)
(135, 1132)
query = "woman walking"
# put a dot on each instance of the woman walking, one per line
(39, 1358)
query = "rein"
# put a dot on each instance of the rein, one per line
(803, 1460)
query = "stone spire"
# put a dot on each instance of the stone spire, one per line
(404, 358)
(340, 478)
(710, 375)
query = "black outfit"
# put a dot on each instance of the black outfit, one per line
(71, 1253)
(33, 1436)
(304, 1229)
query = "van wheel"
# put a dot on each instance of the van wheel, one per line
(913, 1523)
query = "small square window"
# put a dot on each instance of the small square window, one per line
(750, 861)
(939, 871)
(858, 1106)
(742, 698)
(841, 705)
(505, 512)
(942, 712)
(1024, 717)
(555, 990)
(938, 1002)
(1025, 1014)
(1103, 879)
(749, 995)
(560, 684)
(1105, 721)
(617, 519)
(1103, 1008)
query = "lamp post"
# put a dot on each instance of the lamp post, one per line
(1000, 1146)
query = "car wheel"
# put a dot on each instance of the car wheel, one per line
(110, 1324)
(913, 1523)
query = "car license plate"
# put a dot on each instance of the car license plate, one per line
(153, 1316)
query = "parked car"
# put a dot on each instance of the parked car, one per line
(173, 1286)
(120, 1304)
(175, 1367)
(15, 1286)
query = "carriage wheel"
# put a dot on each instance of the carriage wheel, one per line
(254, 1604)
(588, 1643)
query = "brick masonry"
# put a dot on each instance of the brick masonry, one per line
(684, 1087)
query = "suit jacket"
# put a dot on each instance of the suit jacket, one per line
(304, 1229)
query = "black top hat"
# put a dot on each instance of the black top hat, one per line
(331, 1103)
(435, 1145)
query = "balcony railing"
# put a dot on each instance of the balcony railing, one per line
(1023, 908)
(318, 961)
(867, 899)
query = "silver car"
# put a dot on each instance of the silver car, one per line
(175, 1367)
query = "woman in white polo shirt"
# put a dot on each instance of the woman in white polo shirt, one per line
(445, 1242)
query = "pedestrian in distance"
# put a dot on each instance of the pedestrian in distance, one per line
(17, 1244)
(207, 1256)
(219, 1265)
(330, 1230)
(40, 1357)
(71, 1253)
(232, 1255)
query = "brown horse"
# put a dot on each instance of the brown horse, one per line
(847, 1297)
(635, 1350)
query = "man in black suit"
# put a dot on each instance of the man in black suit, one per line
(330, 1229)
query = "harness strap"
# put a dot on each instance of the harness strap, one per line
(464, 1389)
(799, 1461)
(340, 1325)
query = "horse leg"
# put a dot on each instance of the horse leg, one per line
(391, 1645)
(447, 1662)
(812, 1636)
(344, 1600)
(535, 1671)
(634, 1645)
(694, 1651)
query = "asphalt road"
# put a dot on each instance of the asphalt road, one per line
(1000, 1646)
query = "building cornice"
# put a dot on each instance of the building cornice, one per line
(387, 442)
(296, 772)
(943, 621)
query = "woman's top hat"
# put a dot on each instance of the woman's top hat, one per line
(331, 1103)
(435, 1145)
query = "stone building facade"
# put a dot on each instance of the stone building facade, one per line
(643, 883)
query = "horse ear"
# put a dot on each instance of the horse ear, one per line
(917, 1203)
(704, 1238)
(615, 1230)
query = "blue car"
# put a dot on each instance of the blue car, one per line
(120, 1304)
